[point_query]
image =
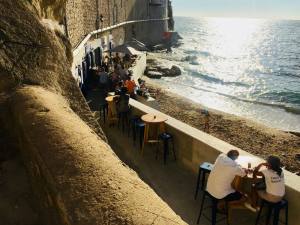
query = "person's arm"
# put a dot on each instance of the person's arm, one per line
(256, 172)
(241, 172)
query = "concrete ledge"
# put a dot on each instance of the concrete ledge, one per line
(75, 175)
(194, 147)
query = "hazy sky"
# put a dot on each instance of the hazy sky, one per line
(284, 9)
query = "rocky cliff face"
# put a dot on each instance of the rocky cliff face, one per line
(35, 52)
(75, 175)
(49, 9)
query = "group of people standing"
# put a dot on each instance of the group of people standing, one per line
(114, 75)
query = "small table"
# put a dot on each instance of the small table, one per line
(157, 121)
(244, 184)
(112, 110)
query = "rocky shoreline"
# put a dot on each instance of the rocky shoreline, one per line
(241, 132)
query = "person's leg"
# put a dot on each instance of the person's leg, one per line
(268, 197)
(233, 196)
(236, 196)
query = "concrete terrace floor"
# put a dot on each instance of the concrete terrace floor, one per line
(173, 183)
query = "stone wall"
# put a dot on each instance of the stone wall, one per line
(83, 17)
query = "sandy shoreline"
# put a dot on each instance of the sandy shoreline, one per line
(241, 132)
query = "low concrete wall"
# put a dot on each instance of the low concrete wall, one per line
(139, 66)
(194, 147)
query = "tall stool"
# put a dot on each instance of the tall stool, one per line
(123, 118)
(204, 169)
(276, 207)
(166, 137)
(214, 205)
(138, 126)
(132, 121)
(103, 110)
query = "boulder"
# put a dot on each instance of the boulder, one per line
(174, 71)
(154, 74)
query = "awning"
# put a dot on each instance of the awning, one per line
(126, 49)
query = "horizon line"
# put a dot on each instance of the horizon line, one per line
(236, 17)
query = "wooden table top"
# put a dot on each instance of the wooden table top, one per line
(244, 160)
(110, 98)
(151, 118)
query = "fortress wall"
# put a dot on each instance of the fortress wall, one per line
(83, 16)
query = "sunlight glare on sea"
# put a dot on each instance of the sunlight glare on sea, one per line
(246, 67)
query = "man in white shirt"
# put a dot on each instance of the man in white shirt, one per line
(222, 175)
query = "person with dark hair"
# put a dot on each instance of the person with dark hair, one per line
(123, 73)
(123, 101)
(222, 175)
(115, 79)
(117, 59)
(103, 79)
(274, 179)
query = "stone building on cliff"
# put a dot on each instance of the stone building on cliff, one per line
(149, 19)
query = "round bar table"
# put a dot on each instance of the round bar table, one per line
(156, 120)
(245, 184)
(112, 111)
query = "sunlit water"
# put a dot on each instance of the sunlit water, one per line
(247, 67)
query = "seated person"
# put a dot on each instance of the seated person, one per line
(123, 73)
(114, 76)
(117, 59)
(130, 84)
(126, 58)
(118, 87)
(123, 101)
(222, 175)
(103, 79)
(274, 180)
(141, 83)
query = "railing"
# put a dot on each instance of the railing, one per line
(86, 39)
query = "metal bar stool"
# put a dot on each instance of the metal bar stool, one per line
(204, 169)
(276, 207)
(138, 126)
(166, 138)
(123, 119)
(213, 206)
(103, 110)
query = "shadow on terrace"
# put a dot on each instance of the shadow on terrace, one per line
(172, 182)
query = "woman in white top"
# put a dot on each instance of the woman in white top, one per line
(274, 179)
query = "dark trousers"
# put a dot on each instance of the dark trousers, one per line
(233, 196)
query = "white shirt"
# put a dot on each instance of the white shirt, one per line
(274, 183)
(222, 175)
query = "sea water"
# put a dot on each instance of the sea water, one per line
(246, 67)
